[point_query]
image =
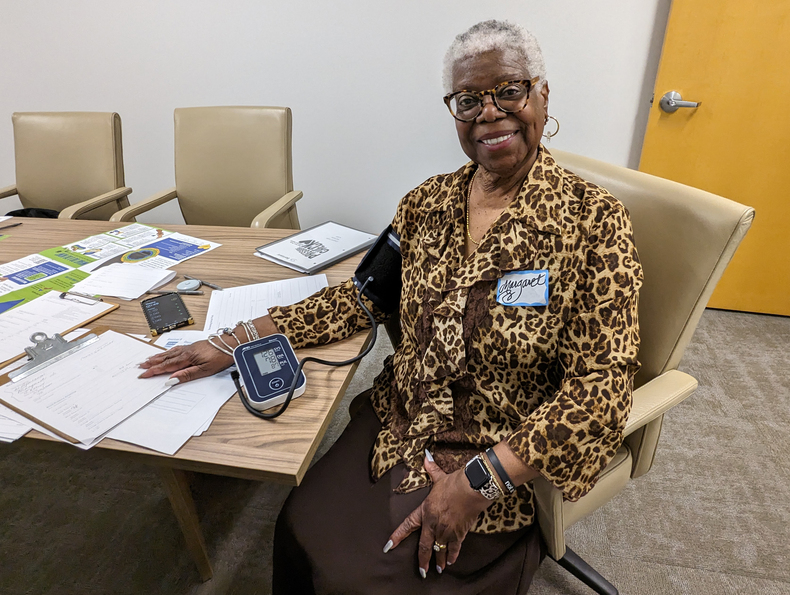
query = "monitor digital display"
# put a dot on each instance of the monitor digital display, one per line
(267, 361)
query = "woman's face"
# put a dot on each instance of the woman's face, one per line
(505, 144)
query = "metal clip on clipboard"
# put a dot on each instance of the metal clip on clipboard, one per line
(46, 351)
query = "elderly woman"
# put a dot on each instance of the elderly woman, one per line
(519, 320)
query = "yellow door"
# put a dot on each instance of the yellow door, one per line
(732, 56)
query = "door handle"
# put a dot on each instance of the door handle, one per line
(672, 100)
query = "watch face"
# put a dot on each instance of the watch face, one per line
(477, 474)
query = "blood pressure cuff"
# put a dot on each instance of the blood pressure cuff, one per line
(383, 263)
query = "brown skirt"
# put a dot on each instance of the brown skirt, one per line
(331, 531)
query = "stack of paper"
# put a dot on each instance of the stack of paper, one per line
(122, 281)
(11, 430)
(182, 412)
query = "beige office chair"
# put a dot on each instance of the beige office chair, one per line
(233, 167)
(685, 238)
(70, 162)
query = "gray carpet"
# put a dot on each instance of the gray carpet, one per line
(711, 517)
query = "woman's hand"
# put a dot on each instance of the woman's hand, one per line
(445, 517)
(189, 363)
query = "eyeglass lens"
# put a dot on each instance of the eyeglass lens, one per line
(509, 98)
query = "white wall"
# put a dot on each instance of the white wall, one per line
(363, 79)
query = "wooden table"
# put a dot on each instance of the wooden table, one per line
(237, 444)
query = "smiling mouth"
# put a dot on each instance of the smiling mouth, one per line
(498, 139)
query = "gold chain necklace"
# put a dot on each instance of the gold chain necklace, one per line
(468, 197)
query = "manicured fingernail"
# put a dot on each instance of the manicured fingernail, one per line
(423, 574)
(388, 546)
(449, 563)
(428, 455)
(438, 569)
(172, 382)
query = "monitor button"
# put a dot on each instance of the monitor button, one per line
(276, 383)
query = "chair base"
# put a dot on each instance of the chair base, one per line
(574, 564)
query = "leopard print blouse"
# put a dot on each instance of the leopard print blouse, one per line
(554, 381)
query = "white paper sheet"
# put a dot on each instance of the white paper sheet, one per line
(122, 281)
(180, 338)
(48, 314)
(227, 307)
(89, 392)
(172, 419)
(11, 430)
(13, 415)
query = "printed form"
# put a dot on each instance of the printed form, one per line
(228, 307)
(89, 392)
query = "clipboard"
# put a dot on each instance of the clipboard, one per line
(44, 352)
(108, 307)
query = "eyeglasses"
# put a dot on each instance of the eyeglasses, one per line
(509, 97)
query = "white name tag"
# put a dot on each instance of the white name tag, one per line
(524, 288)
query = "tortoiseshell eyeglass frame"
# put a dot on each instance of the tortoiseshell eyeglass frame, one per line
(528, 83)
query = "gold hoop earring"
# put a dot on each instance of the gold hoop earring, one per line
(547, 135)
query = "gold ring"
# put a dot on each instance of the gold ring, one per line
(438, 547)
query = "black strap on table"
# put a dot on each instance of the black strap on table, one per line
(500, 470)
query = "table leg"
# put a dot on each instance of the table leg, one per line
(180, 496)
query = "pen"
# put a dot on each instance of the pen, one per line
(178, 292)
(20, 223)
(206, 283)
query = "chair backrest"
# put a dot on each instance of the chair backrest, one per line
(231, 162)
(63, 158)
(685, 238)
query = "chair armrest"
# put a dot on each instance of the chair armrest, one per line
(8, 191)
(279, 206)
(129, 213)
(652, 400)
(74, 211)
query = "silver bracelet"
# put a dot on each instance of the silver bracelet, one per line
(218, 335)
(244, 328)
(229, 331)
(250, 329)
(215, 346)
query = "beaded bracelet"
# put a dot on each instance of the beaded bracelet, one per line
(249, 328)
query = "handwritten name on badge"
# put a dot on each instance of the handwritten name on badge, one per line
(524, 288)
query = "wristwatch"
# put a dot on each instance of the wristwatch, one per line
(481, 480)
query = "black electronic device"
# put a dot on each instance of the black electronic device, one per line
(476, 473)
(165, 313)
(267, 367)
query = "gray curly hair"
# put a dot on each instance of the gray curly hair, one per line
(494, 35)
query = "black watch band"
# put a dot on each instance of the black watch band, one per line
(500, 470)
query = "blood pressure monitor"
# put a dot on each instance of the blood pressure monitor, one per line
(267, 367)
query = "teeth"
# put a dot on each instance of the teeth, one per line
(497, 140)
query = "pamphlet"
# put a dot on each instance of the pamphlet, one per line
(316, 248)
(62, 267)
